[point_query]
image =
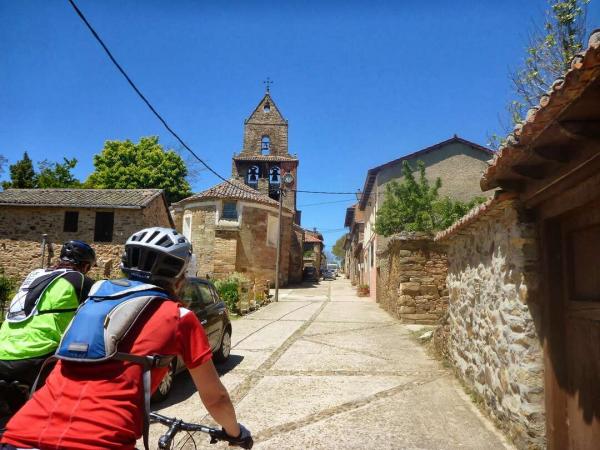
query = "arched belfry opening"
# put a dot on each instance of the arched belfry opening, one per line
(267, 107)
(252, 176)
(274, 182)
(265, 145)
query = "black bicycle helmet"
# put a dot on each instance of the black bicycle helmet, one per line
(156, 253)
(78, 252)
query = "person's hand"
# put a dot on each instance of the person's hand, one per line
(244, 439)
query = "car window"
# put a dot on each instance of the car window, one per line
(206, 294)
(190, 296)
(215, 294)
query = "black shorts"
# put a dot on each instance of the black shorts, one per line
(24, 370)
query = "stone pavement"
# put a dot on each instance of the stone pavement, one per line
(325, 369)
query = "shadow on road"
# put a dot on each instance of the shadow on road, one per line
(230, 364)
(183, 386)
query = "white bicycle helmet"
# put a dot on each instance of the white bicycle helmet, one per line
(156, 253)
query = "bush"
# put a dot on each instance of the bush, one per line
(7, 285)
(229, 290)
(363, 290)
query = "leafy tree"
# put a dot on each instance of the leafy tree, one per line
(448, 211)
(56, 175)
(550, 49)
(338, 248)
(127, 165)
(414, 205)
(22, 175)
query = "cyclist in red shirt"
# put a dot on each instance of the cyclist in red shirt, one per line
(87, 407)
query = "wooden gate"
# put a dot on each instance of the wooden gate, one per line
(573, 353)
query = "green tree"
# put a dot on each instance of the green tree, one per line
(127, 165)
(56, 175)
(550, 49)
(338, 248)
(3, 161)
(22, 175)
(448, 211)
(414, 205)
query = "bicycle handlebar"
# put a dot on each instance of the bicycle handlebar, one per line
(175, 425)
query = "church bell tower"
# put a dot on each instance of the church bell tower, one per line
(265, 158)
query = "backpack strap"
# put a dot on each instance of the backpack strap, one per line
(147, 363)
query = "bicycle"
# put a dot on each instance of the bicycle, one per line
(176, 425)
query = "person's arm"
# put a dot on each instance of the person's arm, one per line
(215, 397)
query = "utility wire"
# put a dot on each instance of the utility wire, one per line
(326, 203)
(156, 113)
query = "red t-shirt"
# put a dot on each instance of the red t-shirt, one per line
(100, 406)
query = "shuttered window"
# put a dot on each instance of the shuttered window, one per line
(103, 229)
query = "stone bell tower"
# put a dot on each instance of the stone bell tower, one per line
(265, 158)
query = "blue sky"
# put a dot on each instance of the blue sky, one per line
(360, 82)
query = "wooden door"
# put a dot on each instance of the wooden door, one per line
(580, 242)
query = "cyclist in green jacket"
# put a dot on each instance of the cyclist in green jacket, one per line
(41, 311)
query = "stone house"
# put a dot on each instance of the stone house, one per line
(104, 218)
(313, 249)
(353, 244)
(523, 277)
(457, 162)
(234, 225)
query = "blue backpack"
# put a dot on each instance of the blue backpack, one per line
(104, 320)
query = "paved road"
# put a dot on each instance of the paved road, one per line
(325, 369)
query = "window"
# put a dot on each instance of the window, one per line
(253, 175)
(229, 211)
(187, 226)
(372, 256)
(190, 297)
(267, 107)
(71, 221)
(265, 145)
(103, 228)
(206, 295)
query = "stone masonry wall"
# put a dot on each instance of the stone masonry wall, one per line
(21, 230)
(411, 278)
(223, 249)
(493, 320)
(255, 255)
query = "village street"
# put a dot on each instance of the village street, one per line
(326, 369)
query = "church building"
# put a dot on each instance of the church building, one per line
(233, 226)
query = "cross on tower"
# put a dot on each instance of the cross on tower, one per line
(268, 82)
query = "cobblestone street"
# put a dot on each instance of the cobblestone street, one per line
(325, 369)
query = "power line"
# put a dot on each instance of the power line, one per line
(326, 192)
(156, 113)
(326, 203)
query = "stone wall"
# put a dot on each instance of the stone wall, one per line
(266, 123)
(411, 278)
(222, 249)
(295, 255)
(21, 230)
(493, 319)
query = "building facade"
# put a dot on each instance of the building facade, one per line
(457, 162)
(32, 219)
(313, 250)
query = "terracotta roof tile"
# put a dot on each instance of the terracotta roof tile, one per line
(233, 189)
(585, 69)
(79, 198)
